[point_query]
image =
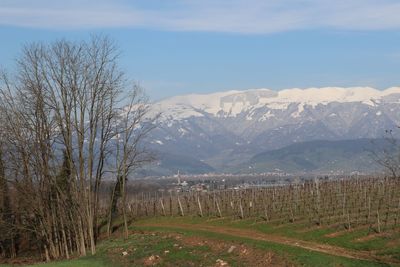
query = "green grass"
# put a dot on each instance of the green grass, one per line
(82, 262)
(383, 245)
(299, 230)
(301, 256)
(141, 246)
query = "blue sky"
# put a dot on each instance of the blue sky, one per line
(185, 46)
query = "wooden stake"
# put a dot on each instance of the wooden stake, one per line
(218, 209)
(162, 206)
(241, 210)
(200, 209)
(180, 206)
(379, 221)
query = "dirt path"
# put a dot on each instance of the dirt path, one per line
(251, 234)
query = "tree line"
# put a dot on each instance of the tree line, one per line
(69, 119)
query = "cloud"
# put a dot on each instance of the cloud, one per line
(235, 16)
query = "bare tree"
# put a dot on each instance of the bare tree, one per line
(132, 125)
(387, 154)
(61, 114)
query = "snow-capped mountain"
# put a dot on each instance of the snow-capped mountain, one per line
(226, 128)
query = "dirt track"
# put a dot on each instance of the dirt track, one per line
(251, 234)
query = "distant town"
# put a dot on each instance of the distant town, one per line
(224, 181)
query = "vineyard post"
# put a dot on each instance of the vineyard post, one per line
(200, 209)
(180, 205)
(162, 206)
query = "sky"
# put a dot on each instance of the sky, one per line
(175, 47)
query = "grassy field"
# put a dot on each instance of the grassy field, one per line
(194, 241)
(173, 248)
(359, 247)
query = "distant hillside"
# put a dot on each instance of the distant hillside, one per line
(319, 156)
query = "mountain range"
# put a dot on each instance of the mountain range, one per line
(228, 131)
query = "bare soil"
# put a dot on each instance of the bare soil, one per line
(248, 256)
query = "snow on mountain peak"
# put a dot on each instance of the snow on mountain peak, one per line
(314, 96)
(232, 103)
